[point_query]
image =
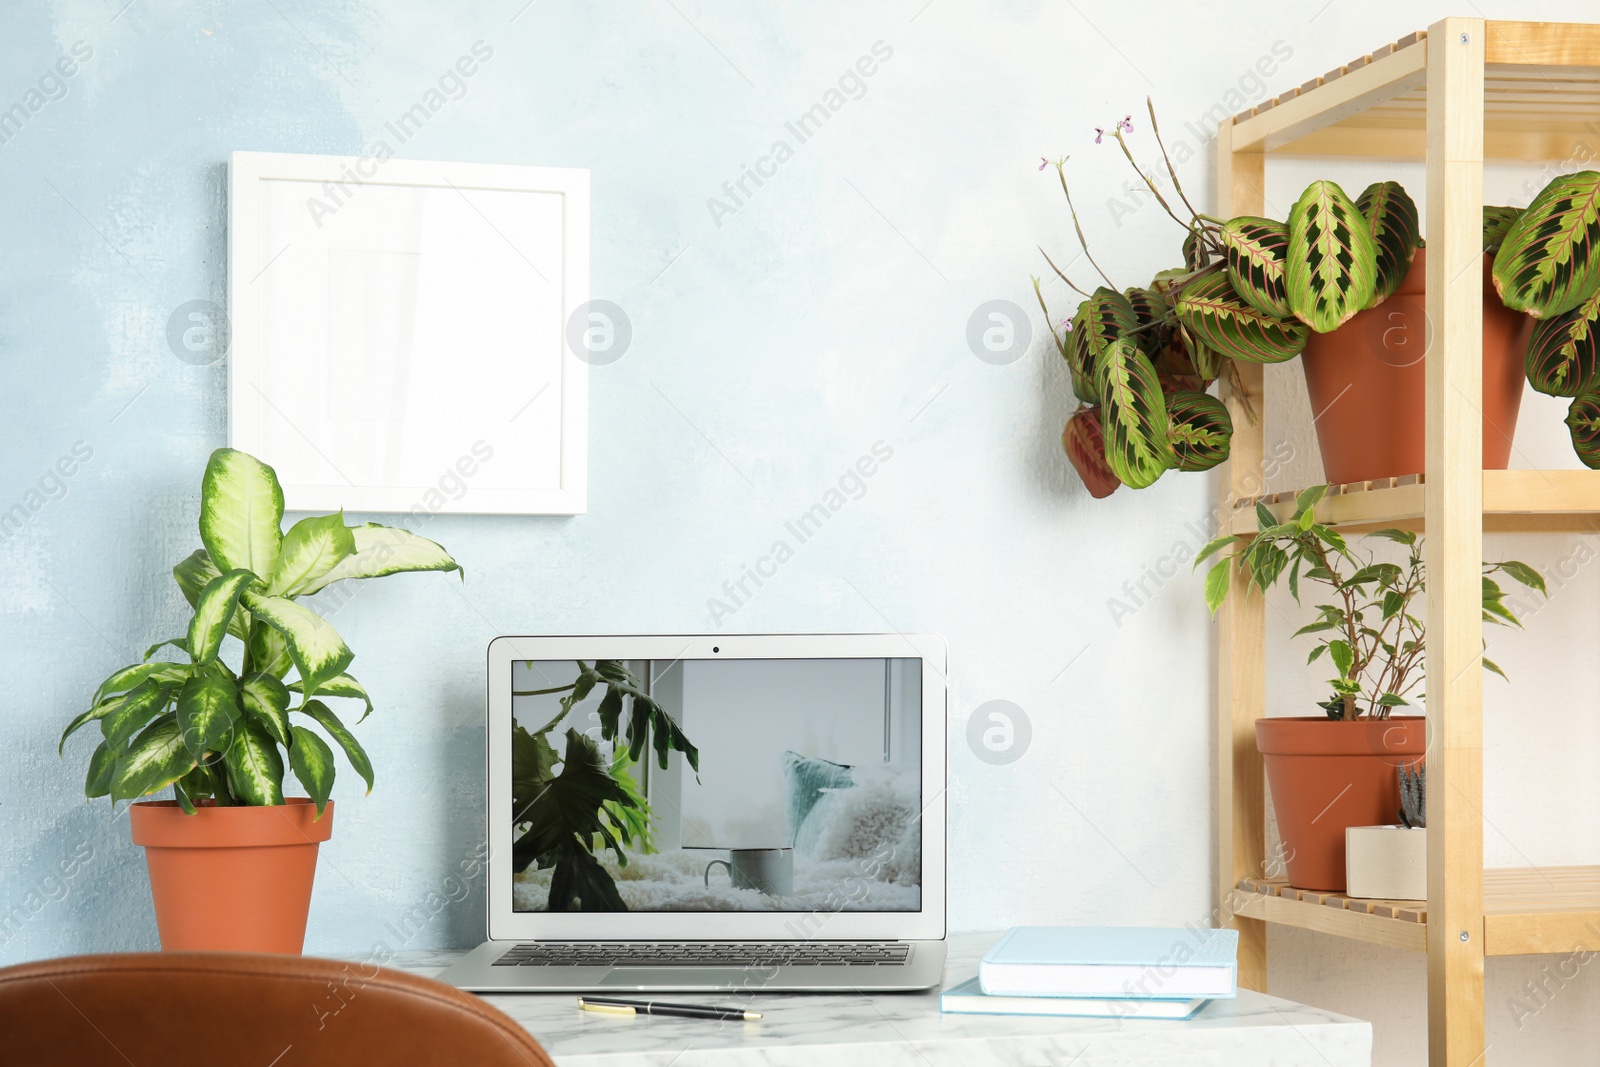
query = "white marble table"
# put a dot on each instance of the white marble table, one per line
(895, 1029)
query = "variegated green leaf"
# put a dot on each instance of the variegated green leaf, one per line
(213, 612)
(1195, 255)
(341, 686)
(241, 513)
(1333, 262)
(102, 765)
(1108, 316)
(94, 714)
(208, 709)
(1216, 317)
(1149, 307)
(1133, 415)
(383, 550)
(1583, 422)
(1080, 362)
(337, 730)
(127, 678)
(1549, 261)
(145, 702)
(312, 547)
(315, 647)
(154, 760)
(1206, 361)
(1201, 430)
(1564, 352)
(1497, 222)
(193, 574)
(179, 643)
(312, 761)
(266, 700)
(1396, 231)
(1257, 251)
(269, 652)
(1080, 359)
(255, 768)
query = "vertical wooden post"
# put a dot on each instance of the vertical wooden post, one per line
(1241, 636)
(1454, 504)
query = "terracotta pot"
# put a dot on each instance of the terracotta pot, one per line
(1328, 775)
(1367, 383)
(232, 879)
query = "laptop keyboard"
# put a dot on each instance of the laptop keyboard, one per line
(705, 954)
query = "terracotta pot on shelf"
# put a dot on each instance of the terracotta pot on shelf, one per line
(1367, 383)
(233, 879)
(1327, 775)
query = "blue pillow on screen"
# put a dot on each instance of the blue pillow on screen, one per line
(805, 777)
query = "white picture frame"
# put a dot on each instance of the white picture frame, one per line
(400, 332)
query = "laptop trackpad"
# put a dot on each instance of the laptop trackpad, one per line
(661, 977)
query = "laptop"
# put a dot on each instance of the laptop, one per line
(754, 813)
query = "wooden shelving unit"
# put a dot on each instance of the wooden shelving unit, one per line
(1467, 90)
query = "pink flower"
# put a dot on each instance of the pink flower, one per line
(1098, 133)
(1126, 125)
(1043, 163)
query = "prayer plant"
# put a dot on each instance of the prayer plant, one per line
(1368, 632)
(218, 732)
(1253, 289)
(1548, 264)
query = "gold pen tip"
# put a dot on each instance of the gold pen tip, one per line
(751, 1016)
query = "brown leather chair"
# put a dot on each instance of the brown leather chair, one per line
(200, 1009)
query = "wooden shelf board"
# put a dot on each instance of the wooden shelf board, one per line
(1512, 500)
(1394, 923)
(1541, 82)
(1527, 911)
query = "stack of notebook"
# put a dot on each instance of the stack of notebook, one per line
(1109, 972)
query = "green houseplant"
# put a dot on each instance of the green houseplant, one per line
(1337, 770)
(1258, 290)
(221, 734)
(1547, 264)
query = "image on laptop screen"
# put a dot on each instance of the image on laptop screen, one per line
(707, 785)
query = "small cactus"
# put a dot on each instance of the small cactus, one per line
(1413, 794)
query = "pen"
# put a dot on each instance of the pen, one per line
(653, 1007)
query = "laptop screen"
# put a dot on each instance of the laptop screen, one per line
(716, 785)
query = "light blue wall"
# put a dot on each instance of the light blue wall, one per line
(772, 348)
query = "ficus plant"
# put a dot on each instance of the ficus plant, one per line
(1367, 629)
(223, 731)
(570, 806)
(1254, 289)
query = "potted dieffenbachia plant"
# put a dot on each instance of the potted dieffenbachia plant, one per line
(221, 734)
(1336, 770)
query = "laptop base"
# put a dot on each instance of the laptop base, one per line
(476, 972)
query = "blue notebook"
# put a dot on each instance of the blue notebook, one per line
(1176, 963)
(968, 999)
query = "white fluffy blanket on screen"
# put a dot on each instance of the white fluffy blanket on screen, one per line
(865, 857)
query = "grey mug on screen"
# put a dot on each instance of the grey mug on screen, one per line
(770, 870)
